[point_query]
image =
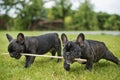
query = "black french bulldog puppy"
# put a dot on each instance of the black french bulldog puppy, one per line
(91, 50)
(35, 44)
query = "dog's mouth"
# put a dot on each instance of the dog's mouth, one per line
(16, 56)
(69, 61)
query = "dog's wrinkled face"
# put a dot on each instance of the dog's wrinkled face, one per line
(16, 46)
(72, 49)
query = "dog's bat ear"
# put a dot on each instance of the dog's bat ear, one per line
(80, 39)
(9, 37)
(20, 38)
(64, 38)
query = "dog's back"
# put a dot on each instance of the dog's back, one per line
(99, 49)
(42, 43)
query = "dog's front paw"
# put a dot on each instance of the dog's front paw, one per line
(66, 66)
(27, 66)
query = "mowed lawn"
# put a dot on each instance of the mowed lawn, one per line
(49, 69)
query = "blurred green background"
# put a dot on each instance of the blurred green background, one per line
(33, 15)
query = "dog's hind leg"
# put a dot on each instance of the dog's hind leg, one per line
(53, 52)
(58, 49)
(109, 56)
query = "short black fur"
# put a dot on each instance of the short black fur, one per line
(35, 45)
(91, 50)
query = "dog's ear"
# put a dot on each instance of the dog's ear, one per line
(20, 38)
(9, 37)
(80, 39)
(64, 38)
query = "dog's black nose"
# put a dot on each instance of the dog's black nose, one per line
(67, 54)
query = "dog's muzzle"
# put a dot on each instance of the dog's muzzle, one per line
(68, 58)
(15, 55)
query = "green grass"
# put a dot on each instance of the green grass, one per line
(47, 69)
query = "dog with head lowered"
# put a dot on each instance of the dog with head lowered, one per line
(90, 50)
(34, 44)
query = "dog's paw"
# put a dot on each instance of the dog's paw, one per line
(67, 67)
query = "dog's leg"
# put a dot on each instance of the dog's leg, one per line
(109, 56)
(66, 66)
(26, 62)
(89, 64)
(53, 52)
(58, 49)
(29, 61)
(59, 54)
